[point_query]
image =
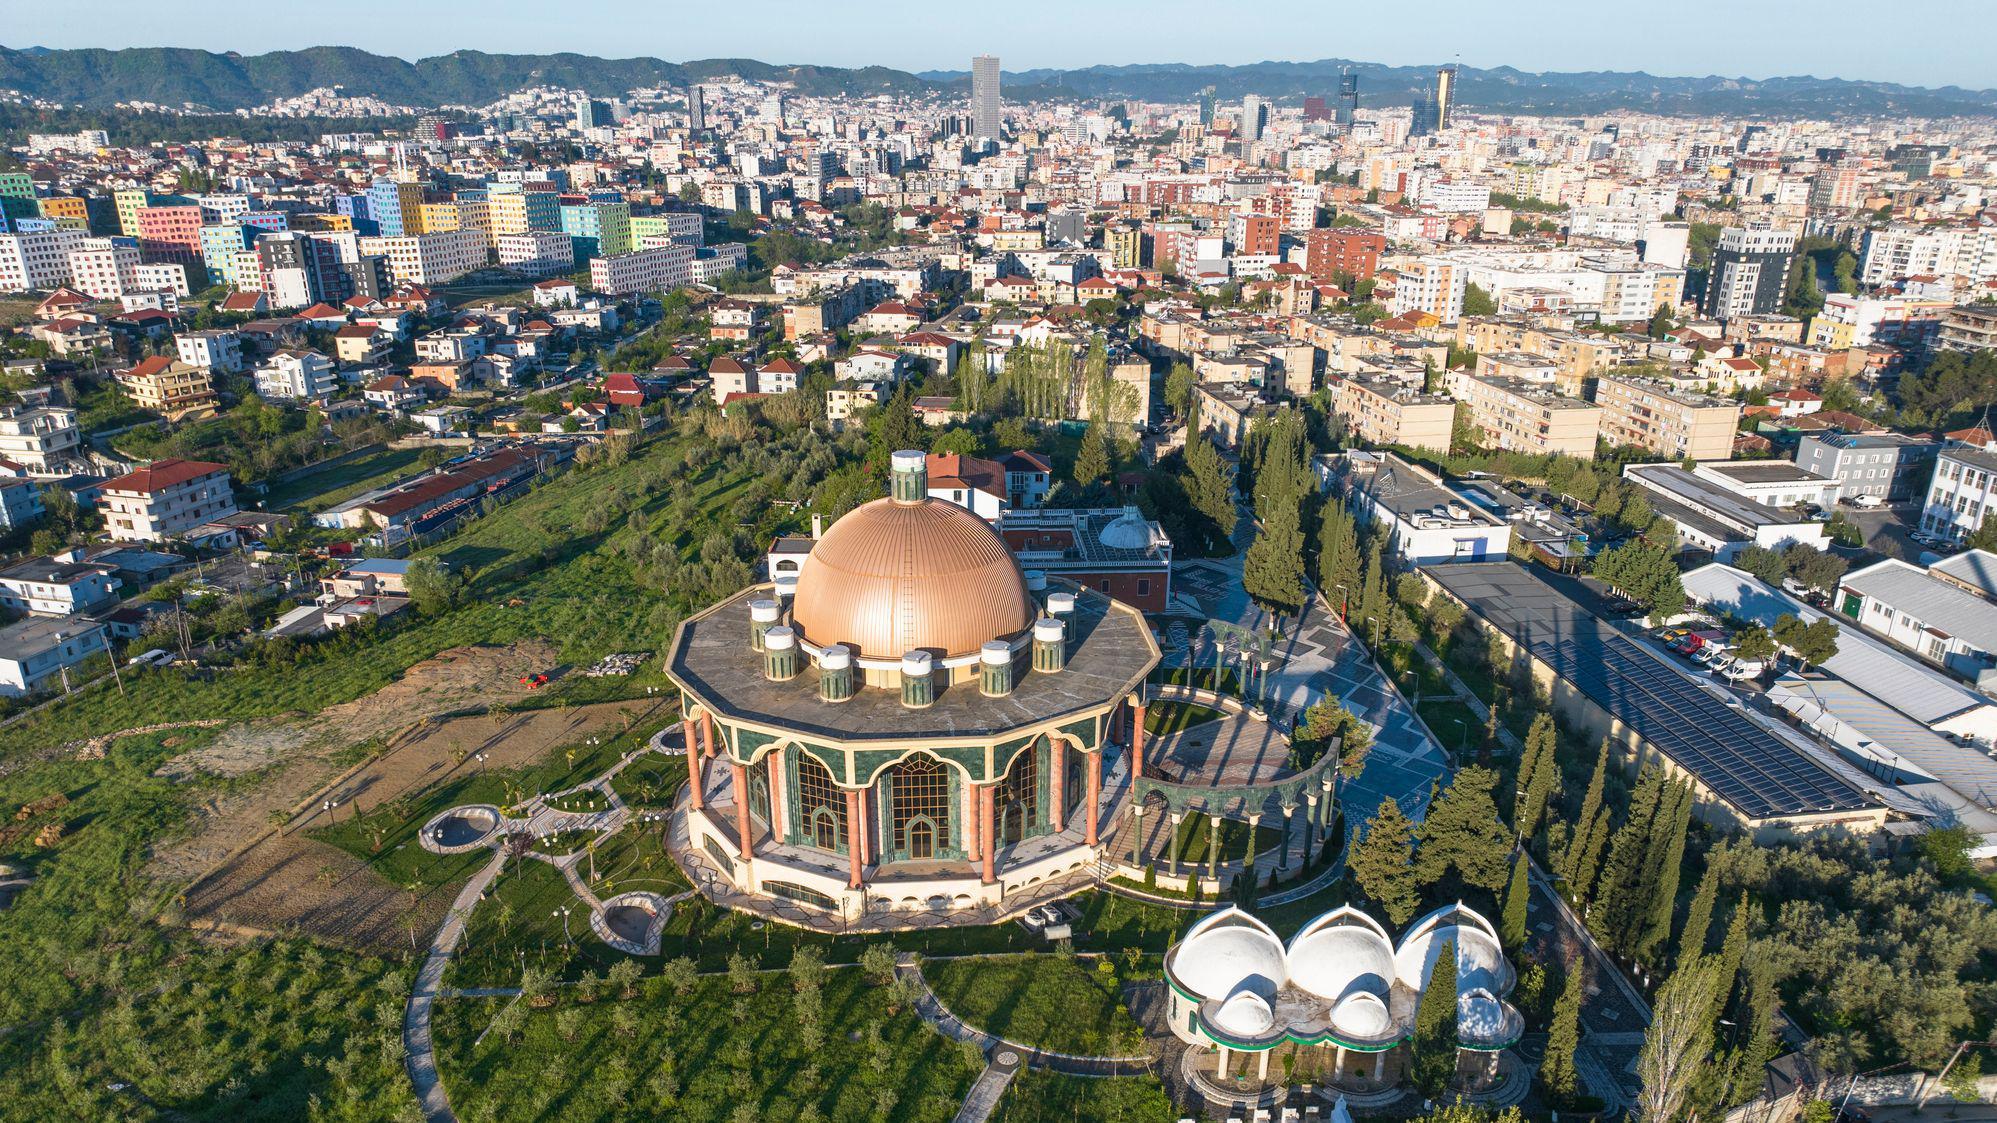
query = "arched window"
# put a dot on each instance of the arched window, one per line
(1019, 796)
(920, 792)
(759, 795)
(821, 806)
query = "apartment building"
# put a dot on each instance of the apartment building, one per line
(1333, 252)
(1891, 466)
(297, 375)
(1971, 327)
(36, 259)
(104, 268)
(169, 387)
(167, 499)
(1680, 424)
(521, 212)
(214, 349)
(1519, 416)
(1961, 494)
(45, 440)
(658, 268)
(1390, 412)
(537, 253)
(1432, 284)
(429, 259)
(170, 234)
(1848, 321)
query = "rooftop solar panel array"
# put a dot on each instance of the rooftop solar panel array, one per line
(1749, 767)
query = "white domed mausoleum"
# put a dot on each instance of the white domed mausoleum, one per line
(912, 727)
(1340, 998)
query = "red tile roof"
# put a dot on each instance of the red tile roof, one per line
(162, 474)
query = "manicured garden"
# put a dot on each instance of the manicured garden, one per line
(1052, 1001)
(1162, 718)
(1051, 1097)
(324, 487)
(700, 1048)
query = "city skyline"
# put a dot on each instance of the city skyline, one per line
(1557, 35)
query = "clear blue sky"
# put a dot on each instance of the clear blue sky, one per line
(1917, 42)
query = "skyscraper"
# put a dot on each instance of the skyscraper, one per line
(1438, 104)
(987, 116)
(1314, 109)
(1348, 100)
(1206, 108)
(696, 109)
(1254, 115)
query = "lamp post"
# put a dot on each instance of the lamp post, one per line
(563, 912)
(329, 806)
(1344, 601)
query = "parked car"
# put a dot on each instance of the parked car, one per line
(1868, 502)
(157, 657)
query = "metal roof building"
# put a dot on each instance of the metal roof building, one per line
(1863, 660)
(1747, 772)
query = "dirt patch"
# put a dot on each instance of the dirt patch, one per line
(289, 881)
(293, 883)
(300, 752)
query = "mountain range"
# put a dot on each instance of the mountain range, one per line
(226, 81)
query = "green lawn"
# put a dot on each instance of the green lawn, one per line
(1233, 840)
(326, 487)
(1161, 718)
(1442, 716)
(709, 1054)
(1413, 674)
(1051, 1001)
(1050, 1097)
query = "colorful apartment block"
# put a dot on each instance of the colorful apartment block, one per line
(170, 234)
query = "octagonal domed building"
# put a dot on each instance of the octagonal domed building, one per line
(913, 726)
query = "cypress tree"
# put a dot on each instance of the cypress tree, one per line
(1273, 571)
(1733, 950)
(1563, 1037)
(1209, 481)
(1382, 863)
(1670, 849)
(1092, 461)
(1372, 592)
(1338, 553)
(1433, 1061)
(1542, 743)
(1511, 923)
(1462, 832)
(1528, 763)
(1618, 901)
(1699, 921)
(1591, 832)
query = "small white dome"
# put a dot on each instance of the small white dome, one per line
(1341, 960)
(1128, 531)
(1362, 1017)
(1245, 1015)
(1480, 1018)
(1228, 952)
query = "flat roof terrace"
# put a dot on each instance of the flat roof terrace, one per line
(1110, 650)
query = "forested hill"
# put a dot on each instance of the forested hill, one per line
(228, 81)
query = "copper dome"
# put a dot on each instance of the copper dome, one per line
(895, 577)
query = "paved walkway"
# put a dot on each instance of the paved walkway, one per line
(1318, 656)
(984, 1096)
(419, 1052)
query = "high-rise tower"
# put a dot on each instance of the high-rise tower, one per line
(1348, 100)
(987, 114)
